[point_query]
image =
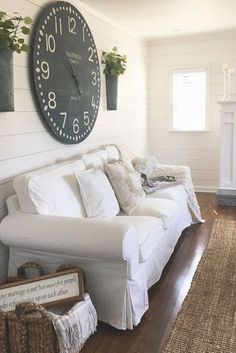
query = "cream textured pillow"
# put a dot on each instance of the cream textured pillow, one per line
(97, 194)
(126, 184)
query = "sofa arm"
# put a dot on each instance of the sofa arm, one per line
(176, 170)
(105, 239)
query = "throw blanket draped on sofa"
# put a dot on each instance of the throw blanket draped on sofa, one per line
(152, 169)
(182, 174)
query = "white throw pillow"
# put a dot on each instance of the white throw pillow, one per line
(21, 182)
(56, 192)
(126, 184)
(97, 194)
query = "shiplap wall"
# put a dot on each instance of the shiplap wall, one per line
(24, 142)
(199, 150)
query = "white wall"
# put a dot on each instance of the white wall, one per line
(24, 142)
(198, 150)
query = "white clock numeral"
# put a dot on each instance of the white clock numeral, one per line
(64, 115)
(86, 118)
(50, 43)
(52, 100)
(58, 25)
(45, 70)
(83, 33)
(90, 50)
(94, 80)
(71, 25)
(76, 126)
(93, 104)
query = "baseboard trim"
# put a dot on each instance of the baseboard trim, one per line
(205, 189)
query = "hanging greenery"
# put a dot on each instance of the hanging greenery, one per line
(115, 64)
(11, 31)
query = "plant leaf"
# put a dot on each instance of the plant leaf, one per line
(28, 20)
(15, 47)
(8, 24)
(25, 47)
(25, 30)
(2, 14)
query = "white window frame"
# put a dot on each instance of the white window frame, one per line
(189, 70)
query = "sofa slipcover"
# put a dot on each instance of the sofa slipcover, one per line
(122, 256)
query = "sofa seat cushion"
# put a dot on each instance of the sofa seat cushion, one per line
(155, 207)
(150, 232)
(174, 193)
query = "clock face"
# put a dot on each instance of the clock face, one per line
(66, 74)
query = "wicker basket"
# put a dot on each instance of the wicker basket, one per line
(3, 333)
(28, 329)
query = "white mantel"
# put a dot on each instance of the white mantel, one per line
(228, 145)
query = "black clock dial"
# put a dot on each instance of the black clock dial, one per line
(66, 74)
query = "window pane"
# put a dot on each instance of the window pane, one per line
(189, 100)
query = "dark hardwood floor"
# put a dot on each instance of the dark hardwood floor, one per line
(167, 295)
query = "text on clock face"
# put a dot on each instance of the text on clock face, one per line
(66, 72)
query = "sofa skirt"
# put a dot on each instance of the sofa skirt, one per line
(118, 301)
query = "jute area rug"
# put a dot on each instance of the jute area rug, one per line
(207, 320)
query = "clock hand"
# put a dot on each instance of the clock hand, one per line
(77, 82)
(74, 75)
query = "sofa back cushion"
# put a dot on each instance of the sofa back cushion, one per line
(97, 194)
(52, 190)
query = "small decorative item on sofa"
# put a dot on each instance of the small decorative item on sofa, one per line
(11, 40)
(115, 65)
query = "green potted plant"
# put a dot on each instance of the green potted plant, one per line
(12, 31)
(115, 65)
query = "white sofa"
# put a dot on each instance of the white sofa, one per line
(122, 256)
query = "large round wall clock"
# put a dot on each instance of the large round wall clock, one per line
(66, 74)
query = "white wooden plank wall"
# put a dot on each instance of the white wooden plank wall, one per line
(24, 142)
(198, 150)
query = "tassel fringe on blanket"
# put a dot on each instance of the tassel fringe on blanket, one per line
(74, 328)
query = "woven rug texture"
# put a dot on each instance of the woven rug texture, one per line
(206, 322)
